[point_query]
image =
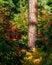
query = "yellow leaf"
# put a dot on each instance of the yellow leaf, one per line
(37, 61)
(34, 50)
(30, 58)
(23, 50)
(28, 53)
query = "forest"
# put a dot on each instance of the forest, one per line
(16, 19)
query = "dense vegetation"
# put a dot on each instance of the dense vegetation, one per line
(14, 33)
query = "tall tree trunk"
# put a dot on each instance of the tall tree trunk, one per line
(32, 31)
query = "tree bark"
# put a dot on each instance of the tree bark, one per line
(32, 31)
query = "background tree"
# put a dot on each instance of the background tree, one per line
(32, 32)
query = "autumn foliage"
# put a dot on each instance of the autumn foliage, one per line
(14, 33)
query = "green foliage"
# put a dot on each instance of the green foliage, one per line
(14, 32)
